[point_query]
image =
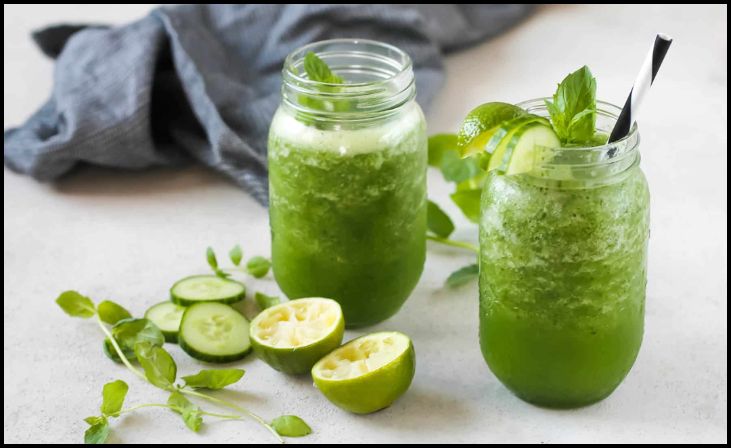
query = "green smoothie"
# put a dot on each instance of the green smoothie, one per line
(348, 211)
(562, 284)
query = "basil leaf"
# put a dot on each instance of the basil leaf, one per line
(469, 202)
(128, 333)
(264, 301)
(236, 254)
(258, 266)
(113, 395)
(437, 221)
(463, 275)
(440, 144)
(76, 305)
(214, 379)
(97, 433)
(159, 366)
(111, 312)
(291, 426)
(190, 413)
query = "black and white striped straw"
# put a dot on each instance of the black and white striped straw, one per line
(641, 86)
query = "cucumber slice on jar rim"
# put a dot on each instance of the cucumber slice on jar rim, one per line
(214, 332)
(518, 154)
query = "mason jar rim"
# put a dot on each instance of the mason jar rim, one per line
(603, 108)
(300, 52)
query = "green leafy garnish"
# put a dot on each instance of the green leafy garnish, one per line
(264, 301)
(258, 266)
(213, 379)
(440, 144)
(98, 432)
(191, 414)
(456, 169)
(76, 305)
(291, 426)
(236, 254)
(469, 202)
(463, 275)
(213, 263)
(128, 333)
(111, 312)
(113, 396)
(140, 339)
(158, 365)
(437, 221)
(318, 70)
(573, 109)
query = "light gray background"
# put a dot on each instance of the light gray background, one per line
(128, 236)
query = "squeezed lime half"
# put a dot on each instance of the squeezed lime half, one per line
(368, 373)
(292, 336)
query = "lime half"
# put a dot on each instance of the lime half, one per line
(482, 121)
(292, 336)
(367, 374)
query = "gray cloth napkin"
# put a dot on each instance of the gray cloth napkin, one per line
(202, 82)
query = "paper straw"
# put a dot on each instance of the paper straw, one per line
(641, 86)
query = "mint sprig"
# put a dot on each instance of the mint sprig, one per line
(131, 339)
(573, 109)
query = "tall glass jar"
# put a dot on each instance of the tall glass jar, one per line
(563, 253)
(347, 180)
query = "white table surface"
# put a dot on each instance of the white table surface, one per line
(127, 236)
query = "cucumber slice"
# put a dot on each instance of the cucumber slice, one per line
(167, 316)
(206, 288)
(214, 332)
(518, 154)
(499, 139)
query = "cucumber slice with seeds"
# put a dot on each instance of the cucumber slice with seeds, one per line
(206, 288)
(214, 332)
(167, 317)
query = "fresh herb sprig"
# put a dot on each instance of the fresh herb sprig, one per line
(573, 109)
(468, 178)
(158, 368)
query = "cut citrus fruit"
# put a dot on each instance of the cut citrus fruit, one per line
(368, 373)
(292, 336)
(478, 126)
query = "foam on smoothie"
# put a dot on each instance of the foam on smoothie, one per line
(295, 135)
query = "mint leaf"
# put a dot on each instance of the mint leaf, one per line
(214, 379)
(76, 305)
(456, 169)
(291, 426)
(236, 254)
(469, 202)
(111, 312)
(258, 266)
(318, 70)
(191, 414)
(440, 144)
(211, 258)
(463, 275)
(438, 222)
(130, 332)
(573, 109)
(113, 395)
(97, 432)
(95, 419)
(159, 366)
(264, 301)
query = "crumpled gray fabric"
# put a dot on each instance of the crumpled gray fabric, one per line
(203, 81)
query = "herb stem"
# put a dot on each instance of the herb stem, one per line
(121, 355)
(162, 405)
(235, 407)
(453, 243)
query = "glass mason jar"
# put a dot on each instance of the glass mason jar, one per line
(347, 180)
(563, 253)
